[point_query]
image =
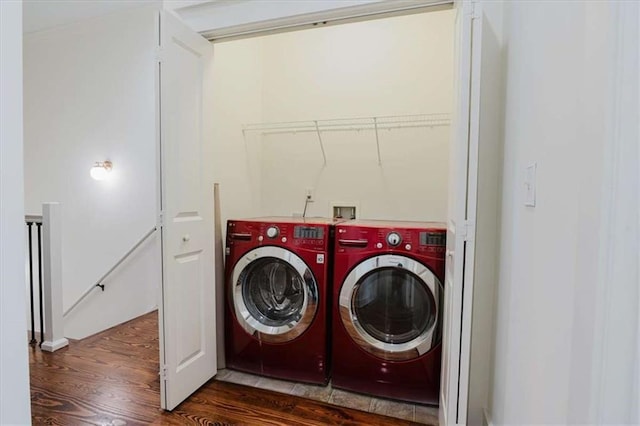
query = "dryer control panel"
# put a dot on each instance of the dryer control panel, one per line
(427, 240)
(308, 232)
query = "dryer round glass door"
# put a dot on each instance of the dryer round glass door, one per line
(275, 295)
(390, 306)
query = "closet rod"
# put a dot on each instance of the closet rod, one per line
(342, 129)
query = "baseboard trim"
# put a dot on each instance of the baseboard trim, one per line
(54, 346)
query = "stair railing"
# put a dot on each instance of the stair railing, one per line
(99, 283)
(30, 221)
(49, 246)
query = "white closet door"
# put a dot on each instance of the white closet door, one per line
(462, 219)
(187, 311)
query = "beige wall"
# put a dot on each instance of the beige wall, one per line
(237, 98)
(393, 66)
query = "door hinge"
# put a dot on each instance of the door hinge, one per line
(163, 372)
(473, 9)
(159, 54)
(160, 220)
(468, 231)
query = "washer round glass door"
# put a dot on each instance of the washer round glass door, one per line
(390, 306)
(275, 295)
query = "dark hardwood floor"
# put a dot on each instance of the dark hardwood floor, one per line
(111, 378)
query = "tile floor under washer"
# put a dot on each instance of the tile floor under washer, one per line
(415, 412)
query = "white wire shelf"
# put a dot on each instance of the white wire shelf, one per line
(350, 124)
(344, 124)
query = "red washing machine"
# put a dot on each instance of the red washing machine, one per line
(277, 284)
(387, 308)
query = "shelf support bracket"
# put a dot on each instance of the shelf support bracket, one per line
(244, 138)
(375, 125)
(324, 156)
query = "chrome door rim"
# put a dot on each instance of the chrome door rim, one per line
(390, 351)
(262, 331)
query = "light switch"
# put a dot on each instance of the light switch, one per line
(530, 185)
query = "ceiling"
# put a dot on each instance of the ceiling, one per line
(217, 18)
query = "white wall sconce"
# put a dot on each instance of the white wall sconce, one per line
(101, 170)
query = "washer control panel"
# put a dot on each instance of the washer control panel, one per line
(310, 235)
(394, 239)
(273, 231)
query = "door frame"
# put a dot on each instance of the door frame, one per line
(251, 19)
(465, 216)
(383, 9)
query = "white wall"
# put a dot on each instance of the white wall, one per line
(394, 66)
(558, 88)
(90, 96)
(615, 362)
(42, 15)
(539, 254)
(14, 368)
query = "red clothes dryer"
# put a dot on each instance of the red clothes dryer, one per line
(277, 284)
(387, 308)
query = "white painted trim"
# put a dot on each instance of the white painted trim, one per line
(54, 346)
(15, 404)
(245, 19)
(459, 280)
(159, 212)
(182, 4)
(636, 389)
(614, 388)
(52, 277)
(471, 218)
(219, 276)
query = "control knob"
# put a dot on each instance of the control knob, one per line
(272, 232)
(394, 239)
